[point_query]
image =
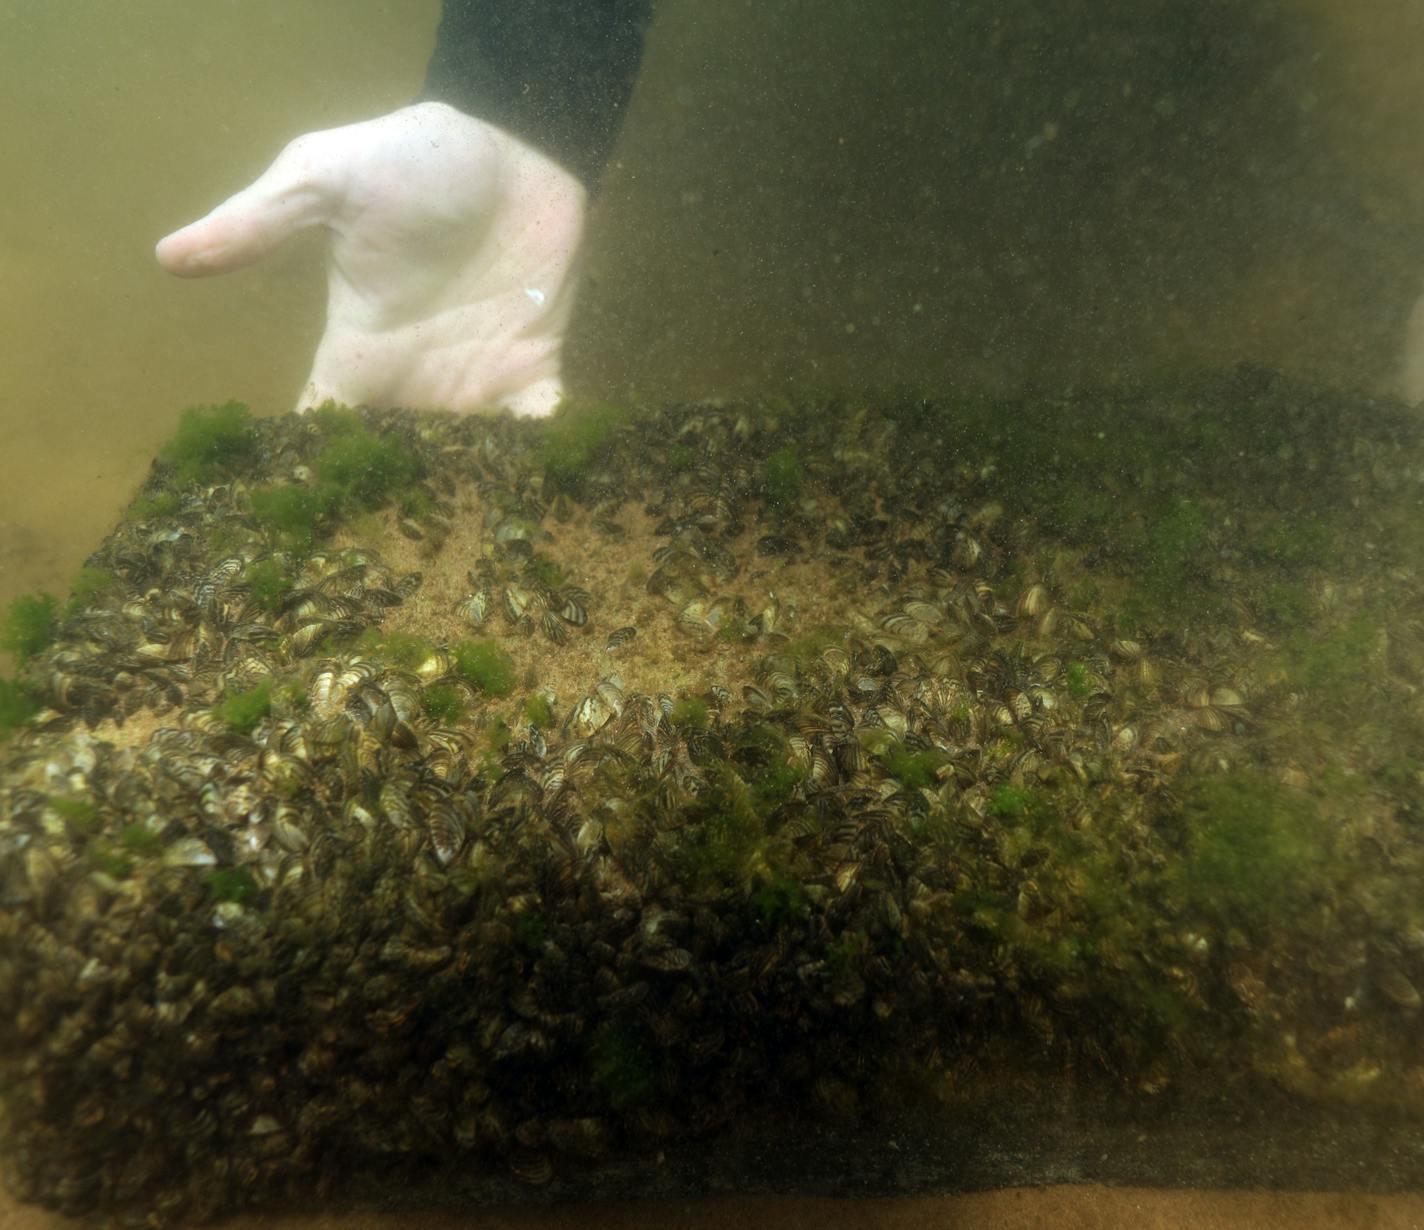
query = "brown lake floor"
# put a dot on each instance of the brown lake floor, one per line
(1061, 1208)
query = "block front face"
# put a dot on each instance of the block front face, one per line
(399, 794)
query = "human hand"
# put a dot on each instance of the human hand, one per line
(450, 270)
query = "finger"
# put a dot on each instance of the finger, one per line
(299, 190)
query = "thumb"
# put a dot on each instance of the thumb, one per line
(299, 190)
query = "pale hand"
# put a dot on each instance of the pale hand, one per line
(451, 265)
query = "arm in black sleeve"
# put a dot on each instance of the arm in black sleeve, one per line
(555, 73)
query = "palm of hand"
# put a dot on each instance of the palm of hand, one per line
(451, 265)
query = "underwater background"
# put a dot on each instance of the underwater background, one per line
(807, 196)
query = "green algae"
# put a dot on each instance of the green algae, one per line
(546, 571)
(724, 845)
(1295, 541)
(139, 839)
(780, 901)
(244, 710)
(485, 665)
(1334, 660)
(234, 884)
(539, 711)
(782, 474)
(1283, 605)
(497, 738)
(416, 502)
(807, 646)
(1077, 681)
(681, 457)
(443, 704)
(356, 471)
(211, 443)
(576, 438)
(90, 586)
(155, 506)
(294, 515)
(691, 712)
(80, 814)
(1256, 852)
(1173, 543)
(913, 770)
(406, 650)
(29, 625)
(18, 704)
(111, 862)
(1012, 802)
(531, 929)
(1152, 488)
(620, 1066)
(762, 759)
(269, 584)
(363, 469)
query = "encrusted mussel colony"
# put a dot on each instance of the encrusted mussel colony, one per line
(403, 790)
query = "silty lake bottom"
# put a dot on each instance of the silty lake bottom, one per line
(869, 795)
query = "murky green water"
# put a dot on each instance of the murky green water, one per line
(121, 123)
(812, 196)
(804, 196)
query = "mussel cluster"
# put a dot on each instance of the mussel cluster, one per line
(929, 798)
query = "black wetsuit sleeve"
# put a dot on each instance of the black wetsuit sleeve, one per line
(555, 73)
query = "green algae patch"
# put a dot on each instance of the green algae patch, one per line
(294, 515)
(1012, 802)
(211, 443)
(110, 862)
(762, 759)
(1256, 851)
(531, 930)
(1078, 681)
(806, 647)
(1335, 660)
(1293, 541)
(29, 625)
(779, 902)
(692, 712)
(576, 438)
(781, 476)
(269, 584)
(355, 470)
(18, 704)
(406, 650)
(443, 703)
(139, 839)
(91, 585)
(485, 665)
(539, 712)
(729, 842)
(681, 457)
(363, 468)
(80, 814)
(155, 506)
(620, 1067)
(913, 770)
(546, 571)
(234, 884)
(244, 710)
(1284, 605)
(1173, 544)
